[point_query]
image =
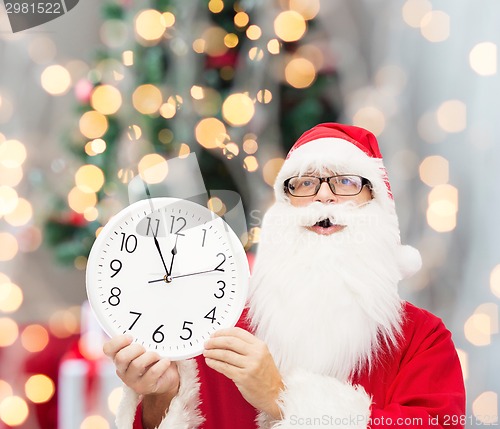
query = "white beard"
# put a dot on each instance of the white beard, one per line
(326, 303)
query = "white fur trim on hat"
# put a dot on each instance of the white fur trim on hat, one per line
(339, 156)
(318, 401)
(183, 412)
(409, 261)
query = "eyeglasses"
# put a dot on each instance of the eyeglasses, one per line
(342, 185)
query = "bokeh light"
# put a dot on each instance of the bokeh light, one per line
(79, 201)
(238, 109)
(9, 331)
(106, 99)
(216, 205)
(264, 96)
(210, 133)
(477, 329)
(147, 99)
(290, 26)
(134, 132)
(231, 150)
(216, 6)
(8, 246)
(93, 124)
(307, 8)
(213, 38)
(94, 422)
(34, 338)
(168, 19)
(149, 25)
(12, 153)
(128, 58)
(231, 40)
(5, 389)
(241, 19)
(495, 281)
(273, 46)
(250, 163)
(89, 178)
(56, 80)
(255, 54)
(485, 408)
(8, 199)
(95, 147)
(13, 411)
(254, 32)
(413, 12)
(114, 399)
(11, 176)
(442, 208)
(250, 145)
(22, 213)
(153, 168)
(39, 388)
(434, 170)
(271, 169)
(63, 323)
(300, 73)
(11, 297)
(435, 26)
(483, 58)
(371, 118)
(184, 150)
(452, 116)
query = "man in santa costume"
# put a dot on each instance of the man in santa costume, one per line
(326, 341)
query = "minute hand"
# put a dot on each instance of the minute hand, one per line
(199, 272)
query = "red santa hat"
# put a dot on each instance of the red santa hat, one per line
(344, 149)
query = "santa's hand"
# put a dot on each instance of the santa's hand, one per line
(144, 372)
(246, 360)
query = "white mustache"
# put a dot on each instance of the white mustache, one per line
(338, 214)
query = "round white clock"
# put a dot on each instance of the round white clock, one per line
(170, 273)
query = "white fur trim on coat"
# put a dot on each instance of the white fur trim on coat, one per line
(317, 401)
(183, 412)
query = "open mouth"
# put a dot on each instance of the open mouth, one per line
(325, 227)
(325, 223)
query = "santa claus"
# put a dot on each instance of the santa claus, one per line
(326, 341)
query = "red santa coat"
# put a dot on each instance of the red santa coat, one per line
(418, 385)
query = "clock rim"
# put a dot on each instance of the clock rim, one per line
(91, 270)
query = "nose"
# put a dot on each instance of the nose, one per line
(325, 194)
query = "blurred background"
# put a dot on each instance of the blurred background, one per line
(112, 88)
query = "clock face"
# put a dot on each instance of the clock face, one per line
(169, 272)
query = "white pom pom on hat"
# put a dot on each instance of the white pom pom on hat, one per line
(345, 149)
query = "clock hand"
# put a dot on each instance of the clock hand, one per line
(161, 255)
(199, 272)
(164, 279)
(174, 252)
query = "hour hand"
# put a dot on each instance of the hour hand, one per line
(161, 255)
(174, 252)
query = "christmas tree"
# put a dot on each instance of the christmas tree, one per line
(235, 82)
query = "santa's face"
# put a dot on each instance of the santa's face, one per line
(323, 296)
(325, 195)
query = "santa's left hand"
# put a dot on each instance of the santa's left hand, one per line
(246, 360)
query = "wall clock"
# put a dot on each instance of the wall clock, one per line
(170, 273)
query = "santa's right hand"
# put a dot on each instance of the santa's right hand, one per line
(143, 371)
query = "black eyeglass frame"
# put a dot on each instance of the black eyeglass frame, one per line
(364, 182)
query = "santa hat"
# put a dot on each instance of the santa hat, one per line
(345, 149)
